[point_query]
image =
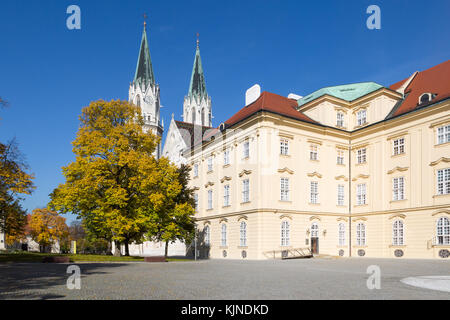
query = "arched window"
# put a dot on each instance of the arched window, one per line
(443, 231)
(314, 230)
(360, 234)
(342, 234)
(285, 240)
(138, 100)
(243, 233)
(193, 116)
(207, 236)
(397, 233)
(203, 117)
(224, 235)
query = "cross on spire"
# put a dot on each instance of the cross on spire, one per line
(145, 19)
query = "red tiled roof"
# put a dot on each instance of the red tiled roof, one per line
(271, 102)
(435, 80)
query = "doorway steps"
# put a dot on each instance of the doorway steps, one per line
(286, 254)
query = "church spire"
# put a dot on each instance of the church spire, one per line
(197, 87)
(144, 70)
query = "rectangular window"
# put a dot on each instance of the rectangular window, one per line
(210, 199)
(340, 197)
(340, 157)
(245, 191)
(195, 170)
(313, 154)
(226, 195)
(196, 201)
(340, 119)
(361, 156)
(399, 146)
(361, 194)
(224, 235)
(314, 195)
(246, 150)
(284, 147)
(341, 234)
(443, 181)
(443, 134)
(284, 187)
(226, 157)
(398, 189)
(361, 117)
(210, 163)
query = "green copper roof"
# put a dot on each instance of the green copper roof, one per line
(144, 70)
(197, 88)
(348, 92)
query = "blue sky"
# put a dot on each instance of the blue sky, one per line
(48, 73)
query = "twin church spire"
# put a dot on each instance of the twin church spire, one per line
(144, 70)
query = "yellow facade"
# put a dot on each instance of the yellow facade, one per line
(418, 205)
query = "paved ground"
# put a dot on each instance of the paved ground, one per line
(217, 279)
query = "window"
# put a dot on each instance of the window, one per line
(340, 157)
(443, 134)
(360, 234)
(226, 195)
(195, 170)
(398, 189)
(397, 233)
(245, 191)
(361, 194)
(342, 234)
(443, 181)
(424, 98)
(361, 156)
(285, 241)
(399, 146)
(243, 233)
(313, 154)
(314, 195)
(210, 163)
(340, 119)
(340, 197)
(314, 230)
(196, 201)
(361, 117)
(226, 157)
(210, 199)
(284, 147)
(443, 231)
(207, 232)
(246, 150)
(224, 235)
(284, 187)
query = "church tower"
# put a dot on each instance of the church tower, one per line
(144, 92)
(197, 104)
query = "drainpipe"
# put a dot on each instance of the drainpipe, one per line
(350, 200)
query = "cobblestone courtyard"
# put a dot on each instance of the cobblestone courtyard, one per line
(217, 279)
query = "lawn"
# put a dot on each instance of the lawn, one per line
(37, 257)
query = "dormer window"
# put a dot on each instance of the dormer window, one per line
(361, 117)
(425, 98)
(340, 119)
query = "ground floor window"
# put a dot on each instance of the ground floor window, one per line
(341, 234)
(285, 240)
(314, 230)
(360, 234)
(443, 231)
(243, 238)
(224, 235)
(397, 233)
(207, 232)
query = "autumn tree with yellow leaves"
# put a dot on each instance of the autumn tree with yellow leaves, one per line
(116, 185)
(46, 227)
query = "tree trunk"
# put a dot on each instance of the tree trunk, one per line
(127, 250)
(166, 250)
(116, 249)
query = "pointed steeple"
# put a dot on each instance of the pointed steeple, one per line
(144, 70)
(197, 87)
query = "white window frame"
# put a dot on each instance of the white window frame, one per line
(226, 157)
(210, 163)
(246, 149)
(398, 188)
(340, 157)
(314, 192)
(361, 234)
(340, 195)
(207, 232)
(284, 189)
(226, 195)
(245, 191)
(210, 199)
(196, 201)
(195, 170)
(224, 235)
(285, 233)
(313, 152)
(361, 117)
(340, 119)
(398, 233)
(243, 234)
(361, 194)
(443, 231)
(361, 155)
(314, 230)
(443, 134)
(341, 234)
(443, 181)
(284, 147)
(398, 146)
